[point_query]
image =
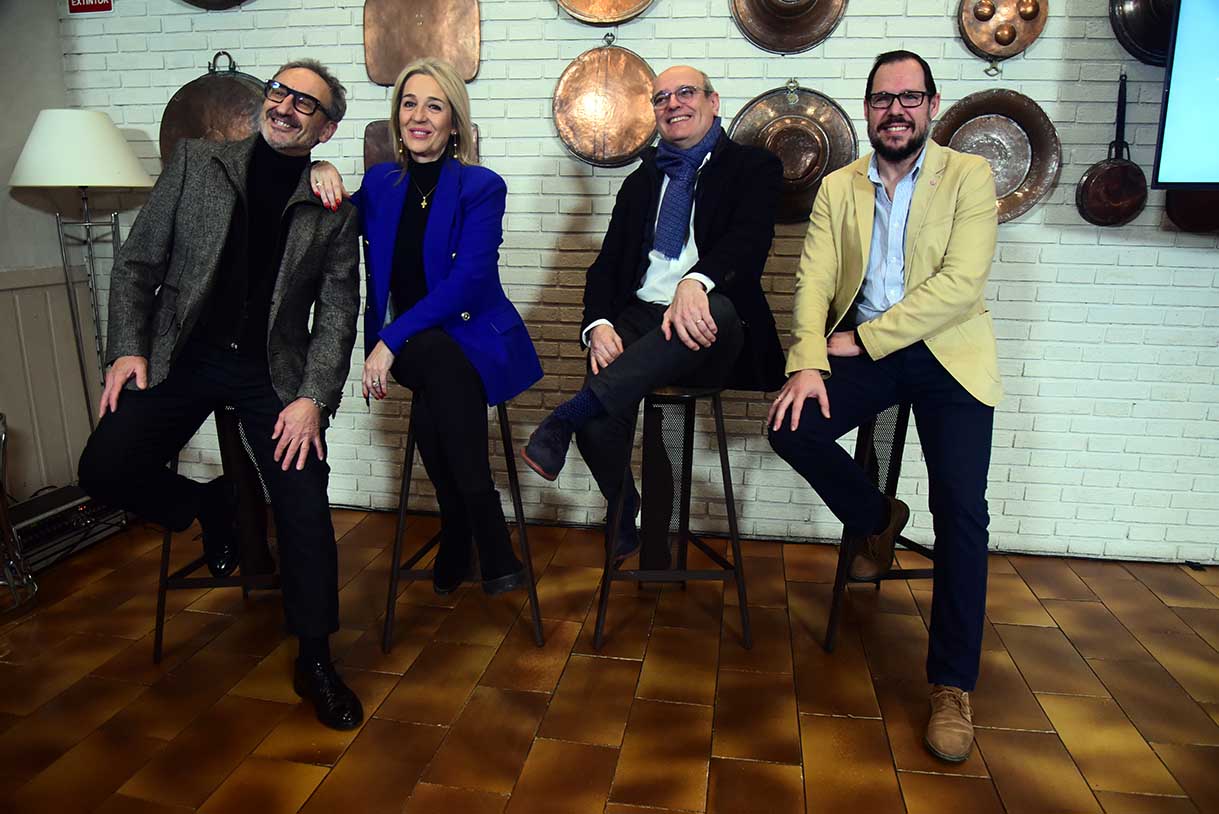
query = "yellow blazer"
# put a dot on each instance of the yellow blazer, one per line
(950, 240)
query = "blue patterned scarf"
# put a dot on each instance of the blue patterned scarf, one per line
(682, 167)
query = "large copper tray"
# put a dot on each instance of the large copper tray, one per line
(601, 106)
(604, 12)
(1143, 27)
(1015, 135)
(809, 133)
(221, 105)
(378, 146)
(787, 26)
(1000, 29)
(399, 31)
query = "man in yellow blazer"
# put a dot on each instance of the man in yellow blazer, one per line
(889, 308)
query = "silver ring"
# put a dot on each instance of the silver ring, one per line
(700, 322)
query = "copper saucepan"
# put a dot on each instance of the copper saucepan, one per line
(1114, 191)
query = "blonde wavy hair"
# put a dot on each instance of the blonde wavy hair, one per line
(454, 89)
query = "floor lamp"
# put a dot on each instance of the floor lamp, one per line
(82, 149)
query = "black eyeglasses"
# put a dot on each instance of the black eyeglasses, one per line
(303, 102)
(685, 94)
(907, 98)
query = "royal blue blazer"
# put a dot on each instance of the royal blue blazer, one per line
(461, 262)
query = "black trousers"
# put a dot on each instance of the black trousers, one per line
(647, 362)
(124, 464)
(449, 406)
(954, 429)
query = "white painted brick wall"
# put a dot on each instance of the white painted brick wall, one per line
(1108, 441)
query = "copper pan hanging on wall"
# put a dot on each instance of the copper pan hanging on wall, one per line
(1193, 210)
(1012, 132)
(809, 133)
(604, 12)
(602, 108)
(379, 147)
(215, 5)
(1114, 191)
(787, 26)
(999, 29)
(396, 32)
(221, 105)
(1143, 27)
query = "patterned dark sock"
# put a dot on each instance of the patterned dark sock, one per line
(576, 411)
(314, 649)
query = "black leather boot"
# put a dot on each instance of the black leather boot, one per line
(334, 702)
(501, 570)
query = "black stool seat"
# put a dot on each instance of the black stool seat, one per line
(407, 570)
(251, 527)
(658, 482)
(878, 450)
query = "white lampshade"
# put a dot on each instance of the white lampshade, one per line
(77, 148)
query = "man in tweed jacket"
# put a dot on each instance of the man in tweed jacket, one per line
(210, 303)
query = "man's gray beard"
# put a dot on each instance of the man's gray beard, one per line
(901, 154)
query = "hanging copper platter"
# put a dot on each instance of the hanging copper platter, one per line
(601, 106)
(221, 105)
(604, 12)
(809, 133)
(1014, 134)
(399, 31)
(787, 26)
(378, 147)
(1000, 29)
(1193, 210)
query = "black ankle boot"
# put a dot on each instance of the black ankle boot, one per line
(501, 570)
(453, 557)
(218, 518)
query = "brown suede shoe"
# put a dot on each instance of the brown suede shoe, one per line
(875, 556)
(950, 731)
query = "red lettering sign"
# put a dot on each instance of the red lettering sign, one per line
(87, 6)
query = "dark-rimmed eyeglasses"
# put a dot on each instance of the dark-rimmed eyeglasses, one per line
(685, 94)
(907, 98)
(304, 103)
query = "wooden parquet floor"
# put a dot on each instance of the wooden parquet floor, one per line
(1099, 693)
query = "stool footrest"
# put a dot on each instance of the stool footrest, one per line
(182, 579)
(418, 555)
(672, 575)
(711, 553)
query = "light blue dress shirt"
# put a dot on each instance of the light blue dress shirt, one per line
(884, 281)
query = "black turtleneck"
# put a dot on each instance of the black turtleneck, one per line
(236, 318)
(407, 282)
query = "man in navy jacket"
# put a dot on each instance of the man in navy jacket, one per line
(675, 295)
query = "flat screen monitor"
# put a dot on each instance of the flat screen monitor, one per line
(1186, 154)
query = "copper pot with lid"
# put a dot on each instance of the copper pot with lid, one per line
(1114, 191)
(602, 108)
(221, 105)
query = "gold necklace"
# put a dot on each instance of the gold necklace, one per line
(423, 197)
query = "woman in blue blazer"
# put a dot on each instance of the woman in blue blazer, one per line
(436, 317)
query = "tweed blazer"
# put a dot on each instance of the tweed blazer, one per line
(950, 240)
(167, 269)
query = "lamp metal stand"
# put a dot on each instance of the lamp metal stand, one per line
(88, 224)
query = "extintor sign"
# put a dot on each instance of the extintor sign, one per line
(89, 6)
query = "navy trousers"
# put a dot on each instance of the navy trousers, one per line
(954, 429)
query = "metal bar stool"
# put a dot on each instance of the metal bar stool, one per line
(251, 529)
(878, 449)
(658, 480)
(407, 570)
